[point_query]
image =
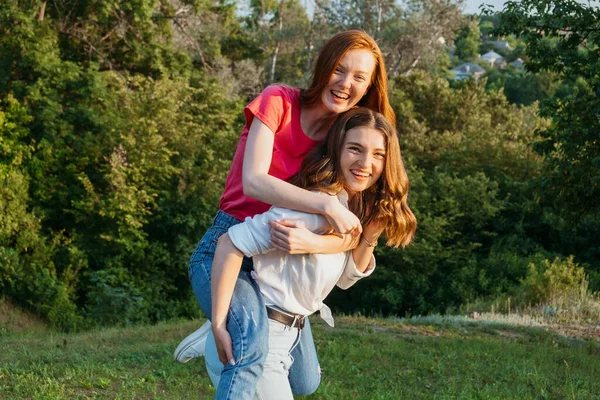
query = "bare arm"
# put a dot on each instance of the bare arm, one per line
(363, 252)
(361, 262)
(287, 236)
(257, 183)
(226, 268)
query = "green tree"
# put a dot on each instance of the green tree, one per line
(467, 41)
(27, 272)
(282, 32)
(411, 36)
(486, 27)
(120, 169)
(521, 87)
(470, 162)
(571, 145)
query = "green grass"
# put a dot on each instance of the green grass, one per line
(436, 358)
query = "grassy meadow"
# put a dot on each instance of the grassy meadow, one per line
(362, 358)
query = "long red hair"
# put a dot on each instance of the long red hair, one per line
(376, 98)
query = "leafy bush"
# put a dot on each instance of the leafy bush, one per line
(561, 287)
(556, 291)
(113, 299)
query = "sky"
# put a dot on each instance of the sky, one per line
(472, 6)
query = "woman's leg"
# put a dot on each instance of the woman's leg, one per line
(274, 384)
(246, 322)
(305, 373)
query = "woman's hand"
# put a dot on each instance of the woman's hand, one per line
(341, 219)
(293, 238)
(373, 230)
(224, 345)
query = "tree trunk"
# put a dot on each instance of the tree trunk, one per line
(274, 62)
(379, 16)
(309, 48)
(411, 67)
(394, 68)
(276, 50)
(42, 11)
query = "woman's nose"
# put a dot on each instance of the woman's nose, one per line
(346, 79)
(364, 161)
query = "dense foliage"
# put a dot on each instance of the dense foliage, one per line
(118, 121)
(564, 37)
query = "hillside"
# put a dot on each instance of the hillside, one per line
(362, 358)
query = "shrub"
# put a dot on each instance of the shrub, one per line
(555, 291)
(112, 300)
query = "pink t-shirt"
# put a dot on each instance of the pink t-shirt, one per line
(278, 107)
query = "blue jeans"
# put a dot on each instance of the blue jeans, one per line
(247, 323)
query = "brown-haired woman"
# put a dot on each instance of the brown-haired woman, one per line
(282, 125)
(359, 163)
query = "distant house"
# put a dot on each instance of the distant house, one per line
(503, 45)
(467, 70)
(495, 59)
(518, 64)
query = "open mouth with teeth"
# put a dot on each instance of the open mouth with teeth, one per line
(340, 95)
(360, 174)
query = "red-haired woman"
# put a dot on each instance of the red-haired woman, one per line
(282, 125)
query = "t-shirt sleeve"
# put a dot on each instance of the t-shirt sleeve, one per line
(270, 107)
(253, 236)
(351, 274)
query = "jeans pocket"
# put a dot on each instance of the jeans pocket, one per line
(202, 257)
(203, 254)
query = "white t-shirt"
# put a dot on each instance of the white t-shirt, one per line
(297, 283)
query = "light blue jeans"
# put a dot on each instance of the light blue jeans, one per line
(247, 323)
(274, 384)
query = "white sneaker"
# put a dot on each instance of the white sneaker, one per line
(194, 345)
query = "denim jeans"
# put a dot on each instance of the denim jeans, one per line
(274, 384)
(247, 323)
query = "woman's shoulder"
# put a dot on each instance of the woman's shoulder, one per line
(291, 94)
(273, 106)
(342, 195)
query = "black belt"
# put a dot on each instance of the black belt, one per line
(291, 320)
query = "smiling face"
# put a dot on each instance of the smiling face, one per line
(349, 81)
(362, 158)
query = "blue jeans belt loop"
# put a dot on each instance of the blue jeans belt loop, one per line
(291, 320)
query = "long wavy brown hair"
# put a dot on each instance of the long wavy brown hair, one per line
(387, 199)
(329, 57)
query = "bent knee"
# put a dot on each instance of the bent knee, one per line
(309, 385)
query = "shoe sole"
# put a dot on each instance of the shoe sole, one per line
(190, 341)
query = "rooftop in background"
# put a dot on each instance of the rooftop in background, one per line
(466, 71)
(468, 68)
(491, 54)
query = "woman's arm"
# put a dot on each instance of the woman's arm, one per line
(361, 262)
(225, 270)
(363, 252)
(257, 183)
(293, 239)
